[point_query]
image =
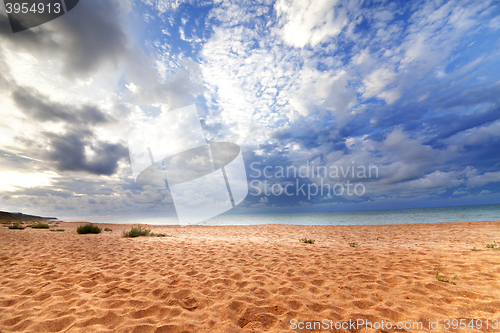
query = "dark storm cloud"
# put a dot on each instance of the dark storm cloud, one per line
(282, 134)
(83, 40)
(91, 37)
(451, 124)
(178, 91)
(68, 153)
(94, 36)
(469, 96)
(481, 156)
(331, 137)
(44, 191)
(75, 150)
(10, 161)
(5, 76)
(449, 109)
(32, 40)
(86, 38)
(40, 107)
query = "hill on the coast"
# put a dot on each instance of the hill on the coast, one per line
(18, 217)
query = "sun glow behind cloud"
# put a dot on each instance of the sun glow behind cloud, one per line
(12, 181)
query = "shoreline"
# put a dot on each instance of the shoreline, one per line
(270, 224)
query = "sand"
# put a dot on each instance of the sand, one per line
(249, 278)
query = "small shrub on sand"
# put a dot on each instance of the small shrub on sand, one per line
(57, 229)
(136, 232)
(158, 235)
(353, 244)
(452, 281)
(307, 241)
(107, 229)
(17, 226)
(40, 226)
(474, 249)
(5, 222)
(494, 245)
(88, 229)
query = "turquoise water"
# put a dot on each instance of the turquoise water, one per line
(365, 217)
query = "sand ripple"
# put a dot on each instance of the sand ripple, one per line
(245, 278)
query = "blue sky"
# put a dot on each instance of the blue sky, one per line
(411, 88)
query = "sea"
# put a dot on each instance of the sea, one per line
(360, 217)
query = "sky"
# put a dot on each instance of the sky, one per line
(407, 90)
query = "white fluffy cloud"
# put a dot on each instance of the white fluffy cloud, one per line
(258, 84)
(310, 22)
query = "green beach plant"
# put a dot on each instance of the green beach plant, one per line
(452, 281)
(107, 229)
(157, 235)
(136, 232)
(474, 249)
(17, 226)
(307, 241)
(494, 245)
(39, 225)
(88, 229)
(57, 230)
(353, 244)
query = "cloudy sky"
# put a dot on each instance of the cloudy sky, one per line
(412, 88)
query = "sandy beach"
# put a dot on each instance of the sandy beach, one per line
(249, 278)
